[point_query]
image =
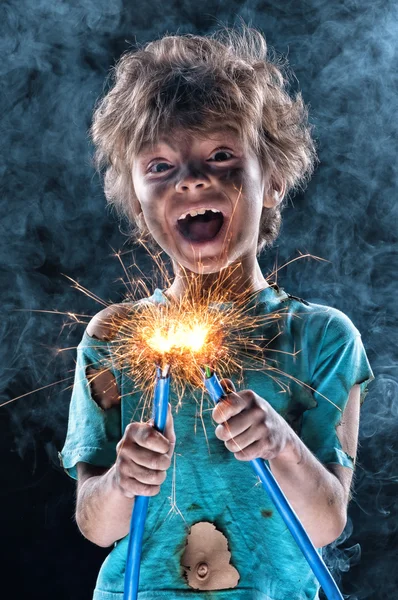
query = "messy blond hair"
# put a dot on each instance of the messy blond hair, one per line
(197, 83)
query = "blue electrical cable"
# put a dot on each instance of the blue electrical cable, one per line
(137, 523)
(282, 505)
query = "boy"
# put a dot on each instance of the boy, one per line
(201, 144)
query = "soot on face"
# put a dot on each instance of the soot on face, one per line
(201, 228)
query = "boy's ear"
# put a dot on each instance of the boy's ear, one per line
(137, 213)
(275, 194)
(141, 221)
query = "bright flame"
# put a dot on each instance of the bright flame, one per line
(179, 337)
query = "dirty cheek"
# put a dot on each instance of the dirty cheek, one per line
(153, 206)
(242, 184)
(233, 178)
(245, 191)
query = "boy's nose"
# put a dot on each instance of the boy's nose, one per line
(192, 182)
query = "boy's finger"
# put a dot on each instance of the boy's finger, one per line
(230, 406)
(228, 386)
(147, 436)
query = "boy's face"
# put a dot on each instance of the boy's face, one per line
(202, 198)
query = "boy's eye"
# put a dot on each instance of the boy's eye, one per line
(223, 154)
(159, 164)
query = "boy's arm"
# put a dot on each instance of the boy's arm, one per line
(103, 513)
(105, 496)
(319, 495)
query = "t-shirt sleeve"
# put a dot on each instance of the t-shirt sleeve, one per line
(93, 433)
(340, 363)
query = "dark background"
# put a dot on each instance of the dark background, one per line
(55, 58)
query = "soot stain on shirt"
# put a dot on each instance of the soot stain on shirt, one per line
(194, 506)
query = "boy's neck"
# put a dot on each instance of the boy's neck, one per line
(229, 284)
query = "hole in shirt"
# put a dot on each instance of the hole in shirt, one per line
(103, 387)
(206, 559)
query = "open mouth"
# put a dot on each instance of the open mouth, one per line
(201, 227)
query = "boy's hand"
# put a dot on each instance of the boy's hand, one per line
(143, 458)
(249, 426)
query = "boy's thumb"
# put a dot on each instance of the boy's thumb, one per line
(228, 386)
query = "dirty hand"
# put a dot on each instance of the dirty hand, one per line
(249, 426)
(143, 457)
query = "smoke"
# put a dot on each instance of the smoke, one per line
(54, 221)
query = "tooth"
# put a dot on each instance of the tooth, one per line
(214, 210)
(193, 213)
(201, 211)
(182, 217)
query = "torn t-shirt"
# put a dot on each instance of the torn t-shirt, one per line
(314, 356)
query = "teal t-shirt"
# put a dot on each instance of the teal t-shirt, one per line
(310, 343)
